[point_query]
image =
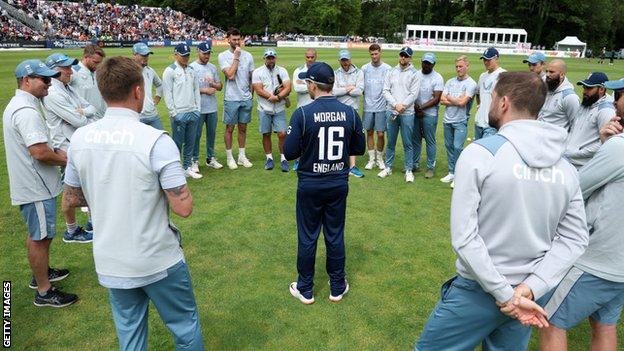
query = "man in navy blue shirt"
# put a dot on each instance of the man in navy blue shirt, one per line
(322, 135)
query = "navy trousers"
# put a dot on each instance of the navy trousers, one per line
(321, 204)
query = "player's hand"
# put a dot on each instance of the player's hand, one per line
(80, 111)
(523, 290)
(525, 311)
(237, 52)
(613, 127)
(400, 108)
(61, 153)
(274, 98)
(156, 100)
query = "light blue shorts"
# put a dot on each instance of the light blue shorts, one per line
(235, 112)
(467, 316)
(375, 120)
(581, 295)
(40, 218)
(272, 122)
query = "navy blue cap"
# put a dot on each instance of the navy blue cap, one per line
(182, 50)
(319, 72)
(535, 58)
(141, 49)
(489, 53)
(205, 47)
(596, 79)
(407, 51)
(60, 60)
(429, 57)
(34, 68)
(615, 84)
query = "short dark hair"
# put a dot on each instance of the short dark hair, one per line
(232, 31)
(92, 49)
(374, 47)
(526, 90)
(116, 78)
(327, 88)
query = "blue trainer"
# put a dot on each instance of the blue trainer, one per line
(354, 171)
(268, 165)
(284, 165)
(296, 165)
(79, 236)
(89, 227)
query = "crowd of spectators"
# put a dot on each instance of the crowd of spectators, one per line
(10, 29)
(89, 20)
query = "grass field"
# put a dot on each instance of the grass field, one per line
(240, 243)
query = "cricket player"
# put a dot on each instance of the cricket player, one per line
(322, 135)
(272, 86)
(149, 115)
(512, 246)
(375, 106)
(84, 78)
(485, 86)
(537, 63)
(561, 102)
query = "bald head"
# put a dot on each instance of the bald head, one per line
(555, 74)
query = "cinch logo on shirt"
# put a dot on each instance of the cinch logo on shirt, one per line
(105, 137)
(545, 175)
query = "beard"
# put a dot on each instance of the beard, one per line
(553, 84)
(427, 70)
(493, 117)
(589, 100)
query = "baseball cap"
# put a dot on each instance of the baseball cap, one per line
(407, 51)
(344, 55)
(182, 50)
(535, 58)
(319, 72)
(595, 79)
(615, 84)
(60, 60)
(34, 68)
(489, 53)
(205, 47)
(429, 57)
(270, 53)
(141, 49)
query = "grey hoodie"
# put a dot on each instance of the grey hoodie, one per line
(517, 212)
(354, 76)
(560, 105)
(402, 87)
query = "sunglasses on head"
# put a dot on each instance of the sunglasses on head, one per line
(46, 80)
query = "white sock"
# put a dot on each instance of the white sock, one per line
(371, 155)
(228, 154)
(71, 227)
(380, 154)
(241, 153)
(282, 158)
(268, 156)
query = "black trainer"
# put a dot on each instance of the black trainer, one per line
(54, 275)
(54, 298)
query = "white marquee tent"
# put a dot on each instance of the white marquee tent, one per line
(571, 44)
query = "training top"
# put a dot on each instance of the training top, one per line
(602, 183)
(429, 83)
(269, 81)
(207, 74)
(181, 89)
(84, 83)
(150, 80)
(401, 87)
(485, 87)
(354, 76)
(303, 98)
(239, 88)
(374, 78)
(456, 88)
(60, 108)
(23, 125)
(323, 135)
(517, 213)
(560, 105)
(112, 158)
(584, 138)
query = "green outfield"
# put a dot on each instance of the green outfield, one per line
(240, 243)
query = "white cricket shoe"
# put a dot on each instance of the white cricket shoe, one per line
(384, 173)
(448, 178)
(214, 163)
(452, 184)
(244, 161)
(409, 176)
(339, 297)
(190, 174)
(231, 163)
(295, 292)
(370, 164)
(195, 166)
